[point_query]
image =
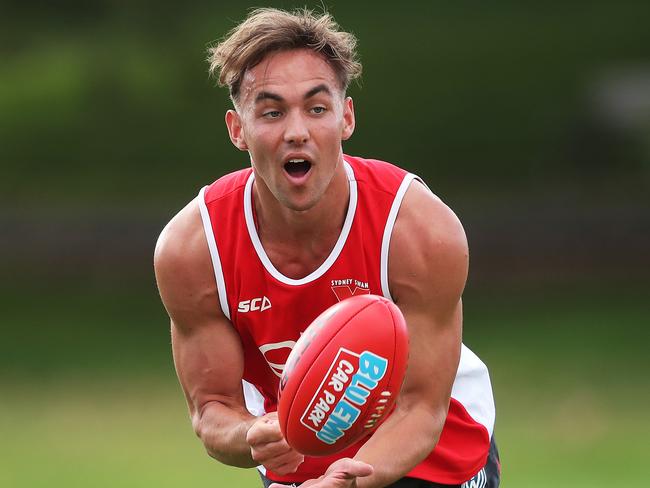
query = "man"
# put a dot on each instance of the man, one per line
(247, 265)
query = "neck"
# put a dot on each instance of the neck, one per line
(275, 220)
(297, 242)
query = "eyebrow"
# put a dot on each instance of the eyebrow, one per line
(266, 95)
(317, 89)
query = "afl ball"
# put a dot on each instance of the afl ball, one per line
(343, 375)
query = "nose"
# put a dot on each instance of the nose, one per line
(296, 130)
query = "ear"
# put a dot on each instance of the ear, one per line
(348, 118)
(236, 130)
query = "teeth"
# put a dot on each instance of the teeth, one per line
(297, 160)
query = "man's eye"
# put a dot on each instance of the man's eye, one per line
(272, 114)
(318, 110)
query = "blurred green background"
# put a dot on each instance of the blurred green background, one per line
(531, 121)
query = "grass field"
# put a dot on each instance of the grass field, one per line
(89, 396)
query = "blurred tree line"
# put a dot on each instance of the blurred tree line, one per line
(106, 106)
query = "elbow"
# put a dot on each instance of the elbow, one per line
(429, 435)
(222, 440)
(200, 431)
(427, 424)
(208, 435)
(212, 441)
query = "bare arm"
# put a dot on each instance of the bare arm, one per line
(427, 273)
(208, 354)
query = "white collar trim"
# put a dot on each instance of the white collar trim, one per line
(336, 251)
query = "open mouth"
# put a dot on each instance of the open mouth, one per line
(297, 167)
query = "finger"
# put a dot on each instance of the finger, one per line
(289, 467)
(271, 416)
(264, 431)
(263, 451)
(359, 470)
(287, 461)
(351, 468)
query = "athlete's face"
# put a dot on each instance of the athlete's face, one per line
(292, 116)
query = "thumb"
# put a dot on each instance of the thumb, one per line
(351, 468)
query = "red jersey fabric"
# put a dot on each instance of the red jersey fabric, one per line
(270, 310)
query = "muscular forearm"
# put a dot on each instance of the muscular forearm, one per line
(403, 441)
(223, 433)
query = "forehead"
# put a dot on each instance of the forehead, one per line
(285, 72)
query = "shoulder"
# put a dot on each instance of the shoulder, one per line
(183, 265)
(428, 247)
(182, 233)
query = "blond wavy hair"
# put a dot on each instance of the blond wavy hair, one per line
(267, 30)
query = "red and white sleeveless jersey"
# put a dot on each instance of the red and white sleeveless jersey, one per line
(270, 310)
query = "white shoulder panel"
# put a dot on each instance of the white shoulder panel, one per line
(388, 231)
(472, 388)
(214, 254)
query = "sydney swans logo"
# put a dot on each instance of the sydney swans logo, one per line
(349, 288)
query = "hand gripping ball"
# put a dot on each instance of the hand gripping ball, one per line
(343, 375)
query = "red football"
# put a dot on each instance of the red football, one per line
(343, 375)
